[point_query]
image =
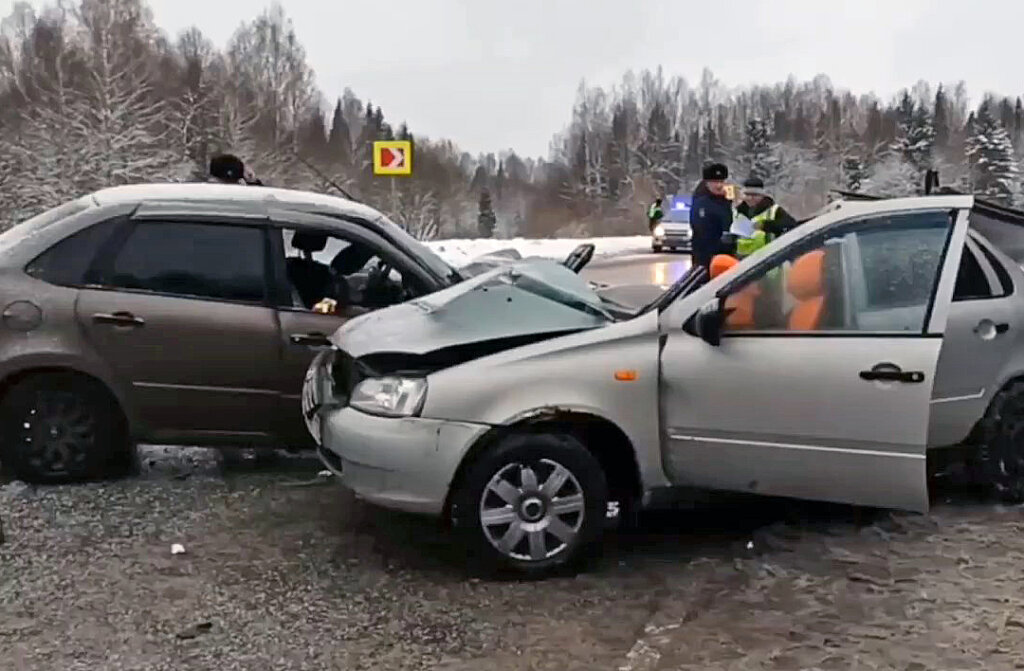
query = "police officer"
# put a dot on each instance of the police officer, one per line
(769, 218)
(654, 214)
(710, 214)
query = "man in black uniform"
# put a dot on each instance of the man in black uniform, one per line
(710, 214)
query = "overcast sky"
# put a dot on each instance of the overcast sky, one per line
(494, 75)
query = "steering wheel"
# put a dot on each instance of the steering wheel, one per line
(380, 290)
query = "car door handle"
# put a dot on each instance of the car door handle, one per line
(118, 319)
(891, 373)
(310, 339)
(987, 329)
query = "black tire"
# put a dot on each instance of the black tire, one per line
(75, 419)
(538, 451)
(655, 248)
(1000, 441)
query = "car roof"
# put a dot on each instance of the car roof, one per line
(258, 197)
(867, 207)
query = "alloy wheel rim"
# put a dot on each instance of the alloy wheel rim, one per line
(57, 433)
(532, 512)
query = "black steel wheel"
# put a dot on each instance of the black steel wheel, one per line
(1000, 439)
(61, 427)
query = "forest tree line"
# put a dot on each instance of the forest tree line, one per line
(93, 94)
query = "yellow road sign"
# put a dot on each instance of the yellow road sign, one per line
(392, 157)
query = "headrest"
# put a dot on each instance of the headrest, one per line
(309, 242)
(721, 263)
(806, 277)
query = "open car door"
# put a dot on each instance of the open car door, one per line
(579, 257)
(808, 373)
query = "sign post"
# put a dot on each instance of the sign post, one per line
(392, 158)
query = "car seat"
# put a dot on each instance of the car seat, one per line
(310, 278)
(805, 282)
(740, 305)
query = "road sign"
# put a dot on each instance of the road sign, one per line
(392, 157)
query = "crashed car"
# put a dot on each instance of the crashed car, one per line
(183, 314)
(834, 364)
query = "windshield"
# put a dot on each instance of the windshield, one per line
(33, 225)
(427, 255)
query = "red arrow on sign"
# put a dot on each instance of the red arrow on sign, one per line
(392, 158)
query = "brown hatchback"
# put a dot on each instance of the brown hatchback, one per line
(181, 314)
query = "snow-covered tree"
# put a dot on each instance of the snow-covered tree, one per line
(339, 141)
(417, 213)
(916, 137)
(759, 155)
(855, 172)
(892, 177)
(486, 219)
(994, 169)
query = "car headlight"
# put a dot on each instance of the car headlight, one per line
(659, 231)
(390, 396)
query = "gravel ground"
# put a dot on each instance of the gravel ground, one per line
(285, 571)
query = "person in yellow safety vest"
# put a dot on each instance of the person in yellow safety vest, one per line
(655, 214)
(770, 219)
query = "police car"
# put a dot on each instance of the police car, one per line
(673, 231)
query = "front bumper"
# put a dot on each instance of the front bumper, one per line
(404, 463)
(680, 241)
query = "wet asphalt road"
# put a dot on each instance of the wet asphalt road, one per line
(644, 268)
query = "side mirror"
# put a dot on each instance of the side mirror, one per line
(708, 322)
(579, 257)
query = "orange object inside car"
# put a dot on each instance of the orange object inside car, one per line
(806, 284)
(721, 263)
(740, 305)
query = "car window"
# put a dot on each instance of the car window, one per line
(873, 275)
(25, 229)
(321, 265)
(67, 262)
(971, 283)
(191, 259)
(1005, 283)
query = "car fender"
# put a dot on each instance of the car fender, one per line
(609, 372)
(15, 366)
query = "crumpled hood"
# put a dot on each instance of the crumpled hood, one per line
(535, 296)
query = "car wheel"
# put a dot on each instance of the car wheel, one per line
(531, 503)
(655, 248)
(1001, 444)
(61, 427)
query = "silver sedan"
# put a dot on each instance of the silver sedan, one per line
(832, 364)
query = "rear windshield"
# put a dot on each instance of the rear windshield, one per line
(30, 227)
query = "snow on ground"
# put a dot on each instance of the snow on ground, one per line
(460, 251)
